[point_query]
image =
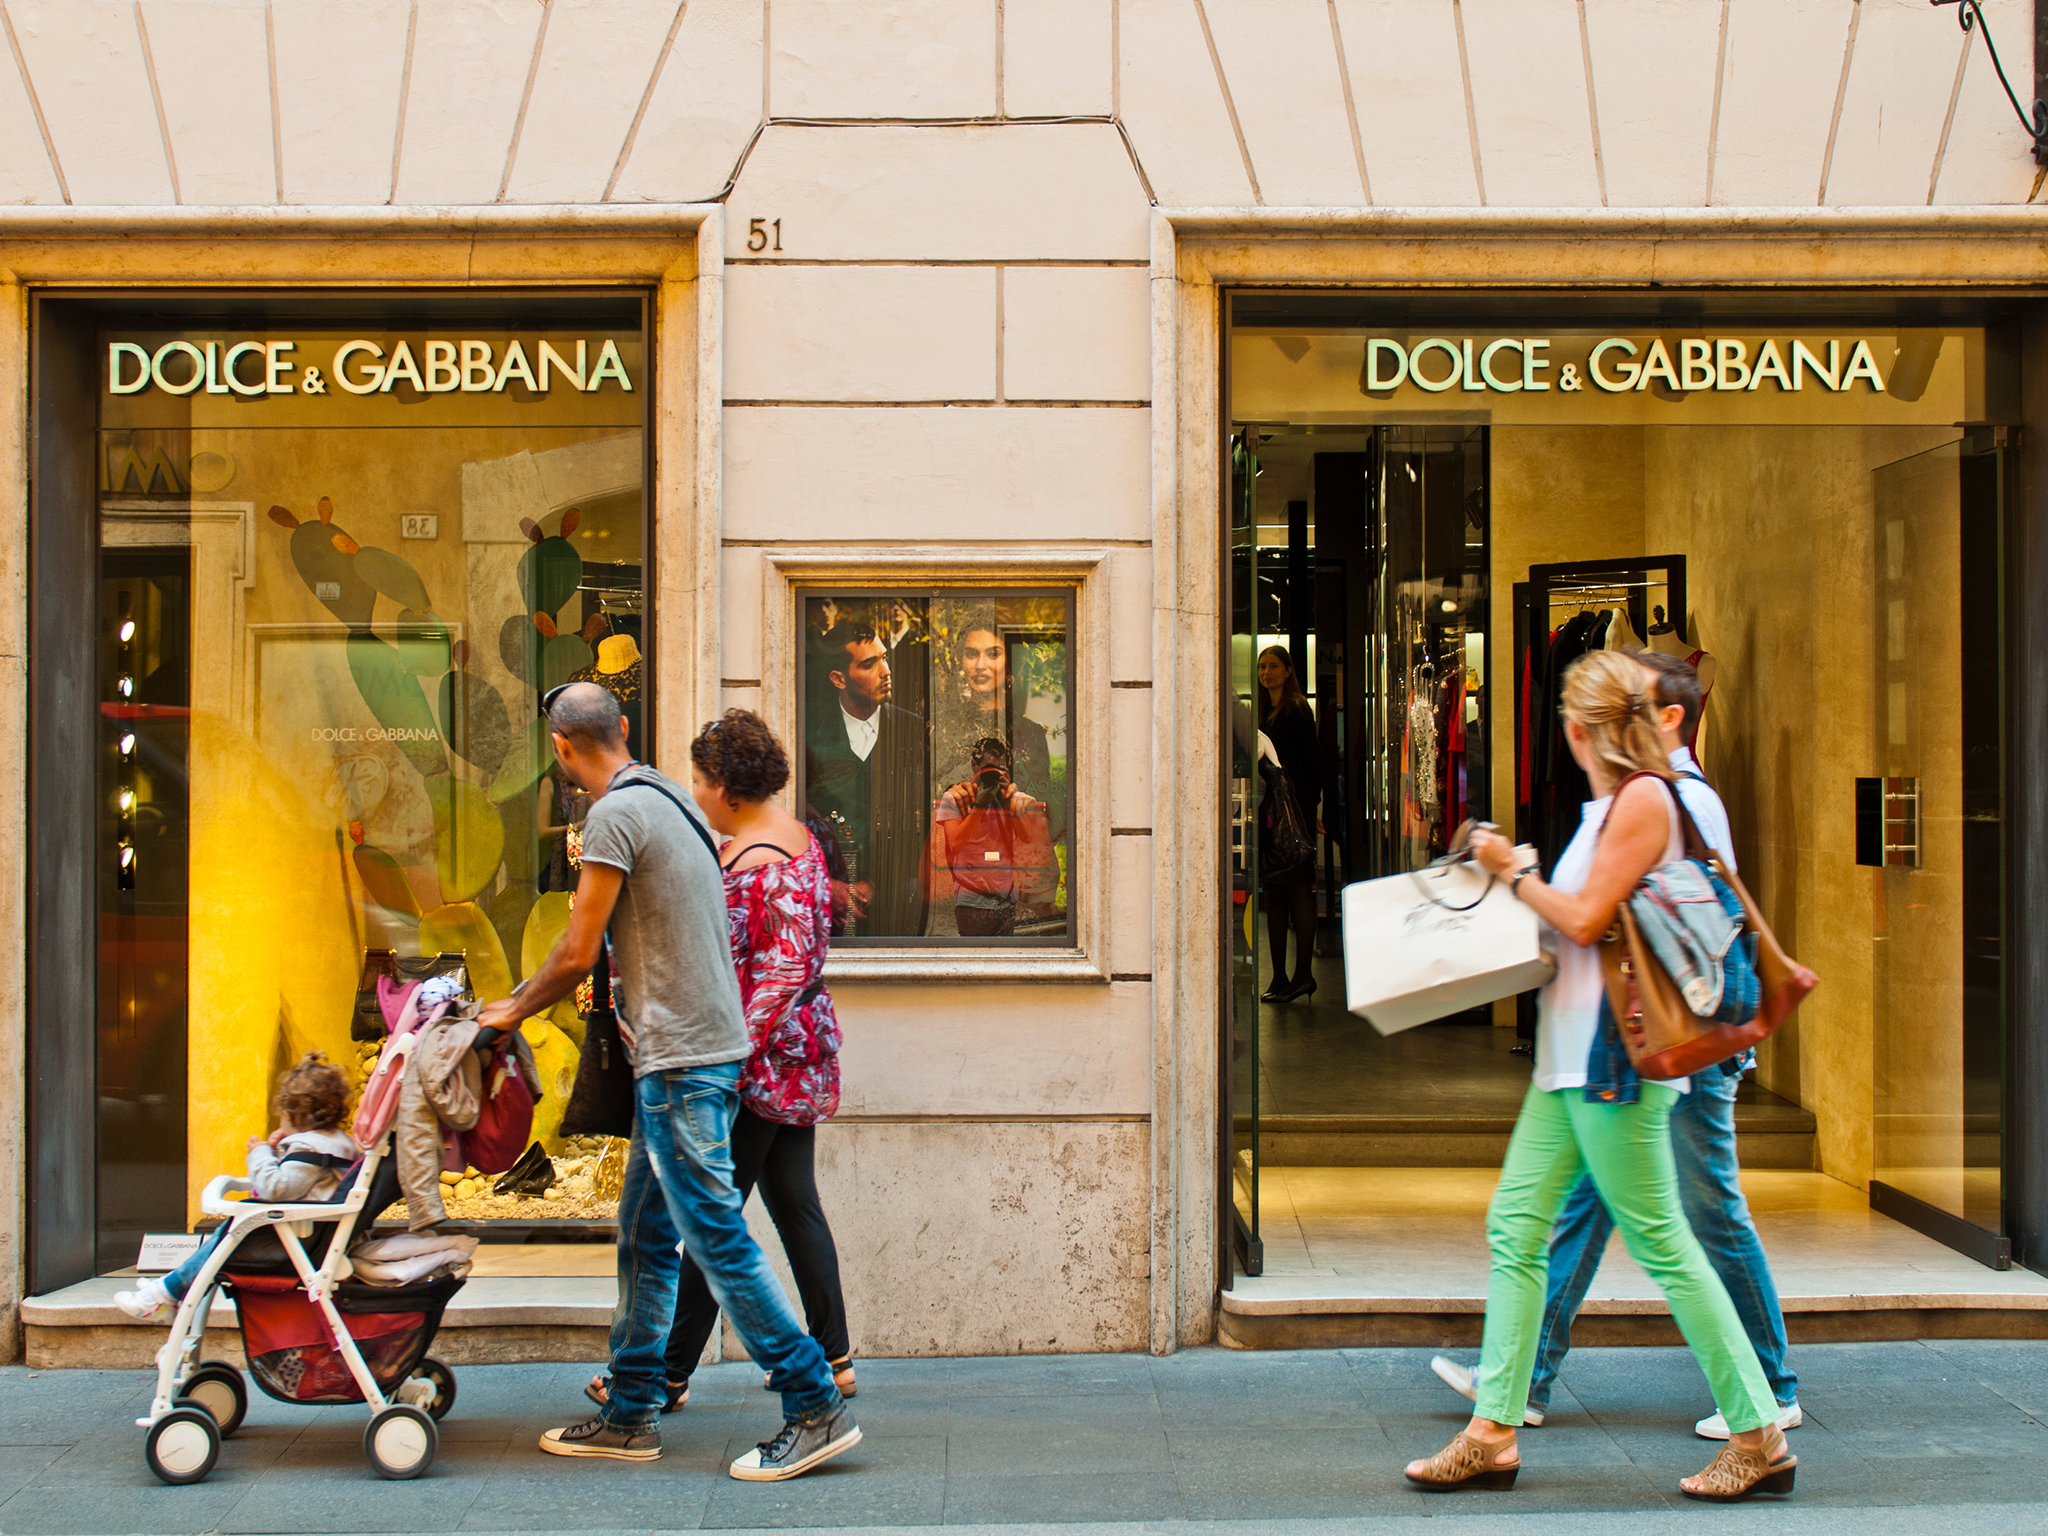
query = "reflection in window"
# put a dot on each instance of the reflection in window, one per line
(937, 766)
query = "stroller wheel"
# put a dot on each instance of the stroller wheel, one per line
(217, 1387)
(183, 1445)
(400, 1442)
(442, 1380)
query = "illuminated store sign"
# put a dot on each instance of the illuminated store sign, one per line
(1510, 364)
(360, 367)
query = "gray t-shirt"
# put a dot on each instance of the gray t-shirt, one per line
(679, 999)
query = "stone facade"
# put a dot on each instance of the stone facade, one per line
(938, 281)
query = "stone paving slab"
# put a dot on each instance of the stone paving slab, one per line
(1928, 1437)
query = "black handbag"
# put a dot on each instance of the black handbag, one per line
(1286, 846)
(601, 1100)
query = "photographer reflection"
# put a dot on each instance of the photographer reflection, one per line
(991, 852)
(985, 682)
(865, 776)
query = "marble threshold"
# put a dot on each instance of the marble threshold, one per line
(1413, 1240)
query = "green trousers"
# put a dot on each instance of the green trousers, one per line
(1627, 1149)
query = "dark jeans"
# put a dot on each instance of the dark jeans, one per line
(1710, 1190)
(679, 1189)
(781, 1160)
(984, 922)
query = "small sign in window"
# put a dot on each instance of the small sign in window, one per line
(165, 1251)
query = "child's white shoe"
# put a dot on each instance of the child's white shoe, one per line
(149, 1302)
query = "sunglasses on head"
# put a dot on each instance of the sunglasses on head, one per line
(547, 700)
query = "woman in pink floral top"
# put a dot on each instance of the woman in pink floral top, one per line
(779, 900)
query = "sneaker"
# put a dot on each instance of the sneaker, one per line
(1716, 1427)
(594, 1437)
(1464, 1380)
(149, 1302)
(801, 1445)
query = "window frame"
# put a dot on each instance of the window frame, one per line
(793, 574)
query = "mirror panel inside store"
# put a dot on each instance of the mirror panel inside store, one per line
(1432, 513)
(343, 551)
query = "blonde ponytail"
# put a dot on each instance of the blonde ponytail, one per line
(1605, 692)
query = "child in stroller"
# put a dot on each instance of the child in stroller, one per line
(313, 1332)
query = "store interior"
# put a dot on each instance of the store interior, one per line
(1835, 582)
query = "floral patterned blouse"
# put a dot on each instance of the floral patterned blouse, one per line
(781, 917)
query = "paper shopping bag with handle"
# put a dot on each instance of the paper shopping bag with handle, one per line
(1435, 941)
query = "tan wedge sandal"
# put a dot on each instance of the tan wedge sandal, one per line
(1737, 1473)
(1466, 1463)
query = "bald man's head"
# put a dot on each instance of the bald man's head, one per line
(588, 716)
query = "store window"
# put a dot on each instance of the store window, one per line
(343, 548)
(937, 763)
(1435, 510)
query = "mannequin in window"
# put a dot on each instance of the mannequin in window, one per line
(1664, 636)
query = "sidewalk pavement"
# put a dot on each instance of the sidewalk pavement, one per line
(1919, 1437)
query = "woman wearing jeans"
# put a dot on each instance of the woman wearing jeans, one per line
(1587, 1112)
(779, 902)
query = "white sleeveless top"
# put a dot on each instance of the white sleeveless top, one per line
(1568, 1009)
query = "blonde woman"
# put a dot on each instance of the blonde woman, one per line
(1587, 1112)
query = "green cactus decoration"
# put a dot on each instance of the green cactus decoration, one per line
(394, 577)
(325, 557)
(394, 699)
(384, 882)
(469, 837)
(561, 659)
(550, 571)
(529, 758)
(473, 720)
(422, 643)
(519, 646)
(545, 925)
(507, 911)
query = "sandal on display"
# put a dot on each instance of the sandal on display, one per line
(600, 1392)
(1465, 1463)
(1739, 1472)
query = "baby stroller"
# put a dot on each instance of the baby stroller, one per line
(312, 1334)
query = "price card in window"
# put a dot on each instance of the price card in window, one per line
(165, 1251)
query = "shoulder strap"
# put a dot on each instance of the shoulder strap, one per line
(752, 846)
(696, 826)
(1695, 845)
(319, 1159)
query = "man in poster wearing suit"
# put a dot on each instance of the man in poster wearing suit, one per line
(867, 779)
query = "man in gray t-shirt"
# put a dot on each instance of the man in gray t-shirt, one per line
(651, 875)
(678, 1000)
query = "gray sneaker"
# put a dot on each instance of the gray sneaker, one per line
(594, 1437)
(801, 1445)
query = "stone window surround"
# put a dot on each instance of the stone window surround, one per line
(789, 571)
(1198, 252)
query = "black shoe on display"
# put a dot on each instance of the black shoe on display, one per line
(801, 1445)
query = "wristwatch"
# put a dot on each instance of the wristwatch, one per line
(1515, 885)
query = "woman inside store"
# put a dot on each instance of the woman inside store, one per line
(1290, 725)
(1587, 1111)
(779, 902)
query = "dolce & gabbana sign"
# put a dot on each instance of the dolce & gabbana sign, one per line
(362, 367)
(1511, 364)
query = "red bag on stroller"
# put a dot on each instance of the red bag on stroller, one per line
(294, 1359)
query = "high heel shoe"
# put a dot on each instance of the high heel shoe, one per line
(1737, 1473)
(1466, 1463)
(1303, 987)
(1276, 993)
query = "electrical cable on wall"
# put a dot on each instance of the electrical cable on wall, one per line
(1968, 15)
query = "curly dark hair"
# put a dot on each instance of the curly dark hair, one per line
(313, 1095)
(739, 754)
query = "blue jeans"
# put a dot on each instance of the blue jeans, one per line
(679, 1191)
(179, 1280)
(1710, 1190)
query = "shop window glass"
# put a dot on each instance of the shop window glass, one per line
(342, 555)
(937, 765)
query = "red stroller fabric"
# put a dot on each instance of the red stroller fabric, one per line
(292, 1354)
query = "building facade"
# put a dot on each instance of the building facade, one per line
(1068, 354)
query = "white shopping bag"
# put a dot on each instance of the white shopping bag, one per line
(1423, 945)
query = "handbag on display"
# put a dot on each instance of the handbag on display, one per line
(386, 974)
(601, 1099)
(1664, 1037)
(504, 1122)
(1436, 941)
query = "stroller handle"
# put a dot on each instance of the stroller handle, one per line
(213, 1200)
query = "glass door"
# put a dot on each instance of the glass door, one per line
(1243, 919)
(1930, 823)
